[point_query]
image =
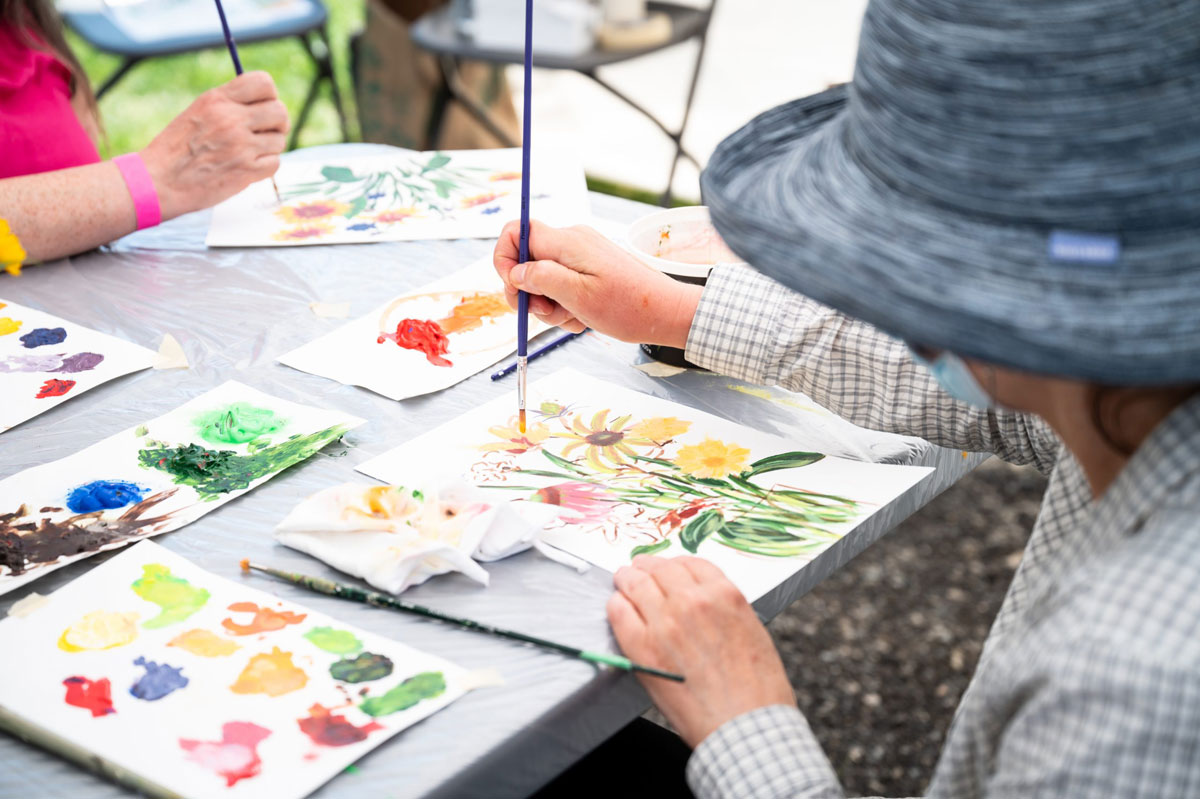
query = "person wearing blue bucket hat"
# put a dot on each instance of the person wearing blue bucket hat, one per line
(988, 239)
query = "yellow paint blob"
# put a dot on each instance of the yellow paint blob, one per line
(8, 325)
(204, 643)
(763, 394)
(99, 629)
(271, 673)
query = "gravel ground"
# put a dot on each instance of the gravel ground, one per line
(880, 653)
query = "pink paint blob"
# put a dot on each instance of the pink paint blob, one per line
(235, 756)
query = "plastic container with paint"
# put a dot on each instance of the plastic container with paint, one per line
(681, 243)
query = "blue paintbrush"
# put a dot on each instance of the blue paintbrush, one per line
(237, 67)
(539, 352)
(523, 248)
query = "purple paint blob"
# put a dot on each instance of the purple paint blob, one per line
(31, 363)
(81, 362)
(104, 495)
(158, 681)
(42, 336)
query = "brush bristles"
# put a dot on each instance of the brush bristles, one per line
(245, 564)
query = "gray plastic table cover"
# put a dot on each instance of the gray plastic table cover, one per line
(234, 312)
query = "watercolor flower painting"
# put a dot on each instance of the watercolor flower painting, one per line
(402, 194)
(610, 473)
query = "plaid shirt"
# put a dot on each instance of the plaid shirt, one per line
(1089, 683)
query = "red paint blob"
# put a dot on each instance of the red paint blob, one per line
(422, 335)
(55, 388)
(93, 695)
(327, 728)
(235, 756)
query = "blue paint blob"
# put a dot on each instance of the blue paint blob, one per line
(360, 226)
(104, 495)
(42, 336)
(158, 681)
(495, 209)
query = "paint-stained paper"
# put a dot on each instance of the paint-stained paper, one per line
(629, 473)
(45, 360)
(467, 308)
(154, 477)
(400, 195)
(206, 687)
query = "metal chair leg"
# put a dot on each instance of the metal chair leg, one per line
(665, 200)
(460, 93)
(327, 66)
(126, 65)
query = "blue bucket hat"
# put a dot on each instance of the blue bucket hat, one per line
(1017, 182)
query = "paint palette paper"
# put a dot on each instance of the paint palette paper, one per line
(45, 360)
(403, 195)
(423, 341)
(204, 687)
(630, 473)
(154, 477)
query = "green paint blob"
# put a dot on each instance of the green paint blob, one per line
(339, 642)
(216, 472)
(175, 596)
(237, 423)
(425, 685)
(364, 668)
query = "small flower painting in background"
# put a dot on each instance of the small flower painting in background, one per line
(311, 211)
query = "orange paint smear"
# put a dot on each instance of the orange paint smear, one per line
(422, 335)
(265, 620)
(471, 311)
(204, 643)
(271, 673)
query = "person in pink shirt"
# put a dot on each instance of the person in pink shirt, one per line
(56, 193)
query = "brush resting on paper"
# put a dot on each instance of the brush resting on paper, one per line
(355, 594)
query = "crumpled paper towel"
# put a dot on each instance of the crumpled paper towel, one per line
(396, 537)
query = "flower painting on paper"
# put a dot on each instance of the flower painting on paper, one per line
(612, 473)
(392, 194)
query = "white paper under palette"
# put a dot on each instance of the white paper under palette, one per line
(154, 477)
(628, 473)
(422, 341)
(197, 686)
(45, 360)
(399, 195)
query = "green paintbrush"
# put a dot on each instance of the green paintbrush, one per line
(356, 594)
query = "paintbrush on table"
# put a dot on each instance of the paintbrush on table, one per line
(356, 594)
(523, 247)
(237, 67)
(539, 352)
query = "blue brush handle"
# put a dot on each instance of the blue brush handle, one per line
(523, 246)
(233, 53)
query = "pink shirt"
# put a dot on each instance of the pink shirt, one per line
(39, 130)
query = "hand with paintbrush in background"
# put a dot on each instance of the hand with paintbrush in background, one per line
(60, 198)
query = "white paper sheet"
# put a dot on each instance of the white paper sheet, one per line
(258, 665)
(628, 473)
(45, 360)
(354, 355)
(157, 20)
(403, 196)
(117, 490)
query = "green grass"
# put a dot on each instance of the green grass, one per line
(155, 91)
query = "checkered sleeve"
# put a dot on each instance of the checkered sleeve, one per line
(768, 753)
(750, 327)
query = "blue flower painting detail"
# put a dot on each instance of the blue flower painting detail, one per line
(360, 227)
(495, 209)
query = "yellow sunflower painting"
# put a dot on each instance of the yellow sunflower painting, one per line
(606, 444)
(312, 211)
(513, 441)
(712, 458)
(660, 429)
(394, 216)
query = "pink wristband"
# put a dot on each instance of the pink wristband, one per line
(141, 189)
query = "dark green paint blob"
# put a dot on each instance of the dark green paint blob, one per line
(237, 423)
(425, 685)
(213, 473)
(331, 639)
(364, 668)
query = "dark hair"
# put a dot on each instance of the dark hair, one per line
(37, 24)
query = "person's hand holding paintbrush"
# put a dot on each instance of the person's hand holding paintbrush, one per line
(577, 278)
